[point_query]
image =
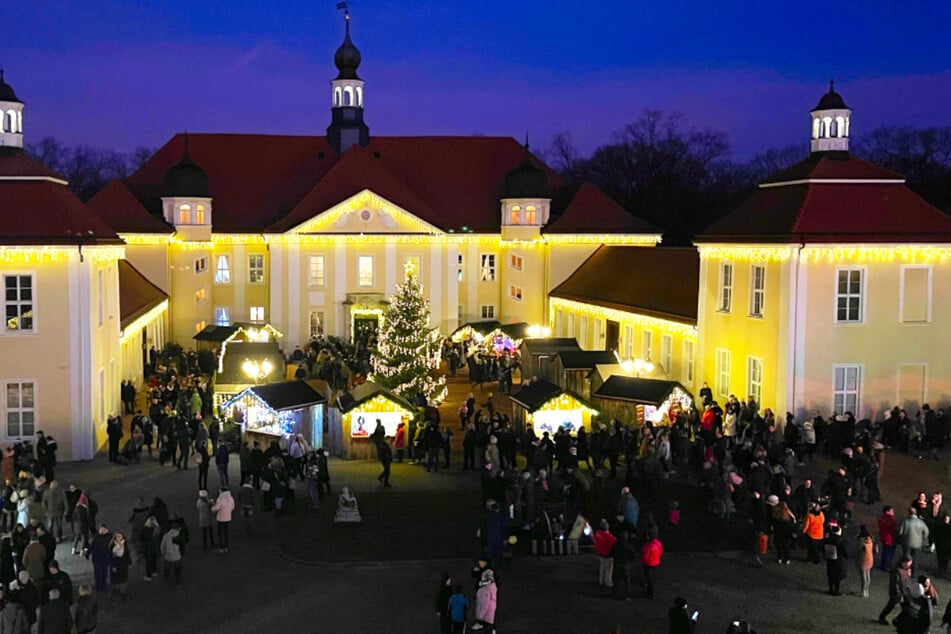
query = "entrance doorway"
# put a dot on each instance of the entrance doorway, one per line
(611, 335)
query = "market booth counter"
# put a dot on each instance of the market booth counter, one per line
(548, 407)
(280, 411)
(361, 408)
(634, 400)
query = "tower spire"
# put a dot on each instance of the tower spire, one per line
(346, 126)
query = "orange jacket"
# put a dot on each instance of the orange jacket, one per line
(814, 526)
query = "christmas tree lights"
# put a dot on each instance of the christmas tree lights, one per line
(407, 356)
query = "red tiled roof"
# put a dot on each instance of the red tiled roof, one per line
(657, 281)
(137, 295)
(42, 212)
(122, 211)
(830, 212)
(590, 210)
(21, 165)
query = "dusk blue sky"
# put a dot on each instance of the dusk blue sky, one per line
(124, 74)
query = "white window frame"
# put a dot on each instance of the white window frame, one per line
(222, 316)
(757, 293)
(222, 274)
(313, 315)
(848, 295)
(460, 267)
(515, 293)
(724, 359)
(724, 290)
(515, 262)
(254, 269)
(647, 345)
(487, 270)
(256, 314)
(316, 271)
(201, 264)
(19, 302)
(628, 341)
(687, 367)
(845, 392)
(487, 311)
(583, 332)
(901, 292)
(20, 409)
(364, 280)
(754, 383)
(667, 353)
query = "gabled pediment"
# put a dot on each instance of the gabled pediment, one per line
(369, 213)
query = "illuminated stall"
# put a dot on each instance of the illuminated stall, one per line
(361, 408)
(548, 407)
(491, 337)
(248, 355)
(634, 400)
(279, 411)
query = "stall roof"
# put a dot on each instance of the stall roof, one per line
(637, 390)
(216, 333)
(237, 352)
(551, 345)
(287, 394)
(364, 392)
(481, 327)
(585, 359)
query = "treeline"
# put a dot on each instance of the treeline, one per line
(88, 169)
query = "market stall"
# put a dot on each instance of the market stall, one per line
(490, 337)
(361, 408)
(634, 400)
(548, 407)
(538, 356)
(243, 364)
(279, 411)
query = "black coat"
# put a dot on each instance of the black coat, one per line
(680, 622)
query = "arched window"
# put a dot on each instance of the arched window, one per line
(20, 122)
(515, 215)
(531, 217)
(336, 97)
(199, 214)
(359, 96)
(185, 214)
(348, 96)
(10, 121)
(840, 127)
(815, 128)
(826, 127)
(846, 126)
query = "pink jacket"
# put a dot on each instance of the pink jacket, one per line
(485, 603)
(224, 506)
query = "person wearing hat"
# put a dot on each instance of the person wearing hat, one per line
(680, 621)
(836, 557)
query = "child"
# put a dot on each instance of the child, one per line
(674, 515)
(458, 608)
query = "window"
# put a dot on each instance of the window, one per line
(688, 362)
(459, 267)
(222, 316)
(667, 353)
(846, 384)
(628, 342)
(18, 303)
(223, 270)
(531, 215)
(365, 270)
(201, 265)
(488, 312)
(185, 215)
(256, 269)
(515, 292)
(316, 322)
(257, 313)
(100, 294)
(570, 322)
(583, 331)
(726, 288)
(723, 372)
(848, 295)
(416, 263)
(646, 344)
(754, 379)
(316, 270)
(201, 296)
(515, 215)
(915, 294)
(199, 214)
(488, 267)
(757, 290)
(20, 407)
(515, 261)
(200, 325)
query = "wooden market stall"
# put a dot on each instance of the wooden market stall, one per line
(361, 408)
(548, 407)
(538, 356)
(242, 364)
(573, 369)
(279, 411)
(633, 400)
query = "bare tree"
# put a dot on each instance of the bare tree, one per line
(87, 169)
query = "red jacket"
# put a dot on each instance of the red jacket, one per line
(707, 420)
(603, 541)
(650, 554)
(400, 441)
(887, 527)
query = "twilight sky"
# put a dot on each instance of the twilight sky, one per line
(119, 74)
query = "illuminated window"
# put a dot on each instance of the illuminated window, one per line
(515, 261)
(815, 128)
(628, 342)
(515, 215)
(531, 215)
(666, 353)
(223, 270)
(488, 267)
(222, 316)
(316, 322)
(185, 215)
(515, 292)
(757, 289)
(201, 296)
(200, 325)
(723, 372)
(256, 269)
(754, 379)
(846, 388)
(488, 312)
(416, 263)
(201, 265)
(459, 267)
(365, 270)
(316, 270)
(848, 295)
(688, 362)
(18, 303)
(199, 214)
(257, 313)
(20, 407)
(725, 292)
(647, 345)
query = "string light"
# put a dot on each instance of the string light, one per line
(758, 254)
(364, 200)
(687, 331)
(891, 253)
(143, 321)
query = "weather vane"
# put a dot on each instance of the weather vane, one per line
(346, 11)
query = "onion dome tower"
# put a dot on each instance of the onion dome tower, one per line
(11, 119)
(346, 112)
(526, 200)
(186, 199)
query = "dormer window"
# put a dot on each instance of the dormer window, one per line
(515, 215)
(531, 217)
(199, 214)
(184, 214)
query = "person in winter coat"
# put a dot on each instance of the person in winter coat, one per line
(34, 559)
(865, 558)
(887, 535)
(82, 525)
(836, 556)
(399, 441)
(680, 621)
(223, 508)
(101, 552)
(814, 529)
(917, 610)
(86, 611)
(458, 607)
(7, 569)
(55, 617)
(782, 523)
(913, 535)
(442, 604)
(899, 581)
(620, 572)
(494, 531)
(603, 543)
(206, 520)
(56, 579)
(486, 601)
(172, 554)
(628, 507)
(13, 617)
(942, 543)
(651, 554)
(121, 561)
(54, 504)
(150, 541)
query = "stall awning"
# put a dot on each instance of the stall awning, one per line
(137, 295)
(365, 392)
(537, 394)
(216, 334)
(585, 359)
(638, 390)
(286, 395)
(550, 346)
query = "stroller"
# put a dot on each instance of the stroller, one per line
(131, 449)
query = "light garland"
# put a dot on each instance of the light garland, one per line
(756, 254)
(556, 303)
(882, 254)
(143, 321)
(146, 238)
(565, 402)
(633, 239)
(51, 254)
(380, 403)
(364, 200)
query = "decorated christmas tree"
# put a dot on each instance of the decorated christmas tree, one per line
(406, 359)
